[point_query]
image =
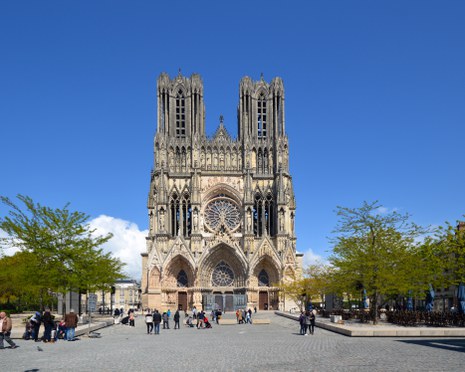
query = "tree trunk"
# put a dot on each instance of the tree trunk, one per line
(374, 308)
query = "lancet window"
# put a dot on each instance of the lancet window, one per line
(180, 115)
(269, 215)
(264, 215)
(180, 215)
(261, 116)
(258, 216)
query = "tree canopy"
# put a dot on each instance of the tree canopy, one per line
(58, 250)
(378, 251)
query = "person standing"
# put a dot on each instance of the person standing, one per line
(312, 322)
(200, 318)
(156, 322)
(5, 331)
(48, 325)
(302, 323)
(36, 321)
(149, 322)
(176, 319)
(307, 322)
(131, 319)
(166, 324)
(71, 321)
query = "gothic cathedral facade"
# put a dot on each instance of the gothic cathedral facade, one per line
(221, 209)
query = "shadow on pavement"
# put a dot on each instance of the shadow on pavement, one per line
(447, 344)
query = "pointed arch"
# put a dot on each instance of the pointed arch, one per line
(171, 273)
(265, 268)
(222, 252)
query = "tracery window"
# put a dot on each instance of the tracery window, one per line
(180, 115)
(264, 215)
(182, 279)
(180, 215)
(257, 216)
(222, 212)
(269, 215)
(261, 116)
(174, 214)
(263, 279)
(222, 276)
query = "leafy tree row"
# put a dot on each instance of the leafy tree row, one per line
(58, 252)
(387, 255)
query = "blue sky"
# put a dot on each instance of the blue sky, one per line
(375, 101)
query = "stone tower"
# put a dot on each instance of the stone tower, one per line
(221, 209)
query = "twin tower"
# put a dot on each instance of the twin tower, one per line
(221, 209)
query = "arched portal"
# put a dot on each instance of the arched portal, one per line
(178, 277)
(266, 277)
(223, 268)
(223, 276)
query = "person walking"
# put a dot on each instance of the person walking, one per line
(156, 322)
(149, 322)
(312, 322)
(176, 319)
(71, 321)
(48, 325)
(307, 322)
(5, 331)
(302, 323)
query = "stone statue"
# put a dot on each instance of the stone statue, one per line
(249, 221)
(161, 220)
(196, 220)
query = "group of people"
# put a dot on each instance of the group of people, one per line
(307, 322)
(154, 319)
(128, 319)
(244, 316)
(53, 330)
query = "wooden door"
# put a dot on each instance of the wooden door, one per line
(263, 300)
(182, 301)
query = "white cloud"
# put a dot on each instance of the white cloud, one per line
(127, 244)
(311, 258)
(385, 210)
(382, 210)
(7, 251)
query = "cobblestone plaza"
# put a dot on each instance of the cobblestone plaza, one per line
(274, 347)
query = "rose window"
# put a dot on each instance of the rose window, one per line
(222, 212)
(222, 276)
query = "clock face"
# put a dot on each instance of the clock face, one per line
(222, 212)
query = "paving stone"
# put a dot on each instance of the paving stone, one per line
(276, 347)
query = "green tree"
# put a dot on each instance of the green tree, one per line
(318, 275)
(65, 248)
(450, 243)
(376, 251)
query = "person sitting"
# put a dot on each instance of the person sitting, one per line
(189, 322)
(206, 322)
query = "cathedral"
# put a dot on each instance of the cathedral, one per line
(221, 209)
